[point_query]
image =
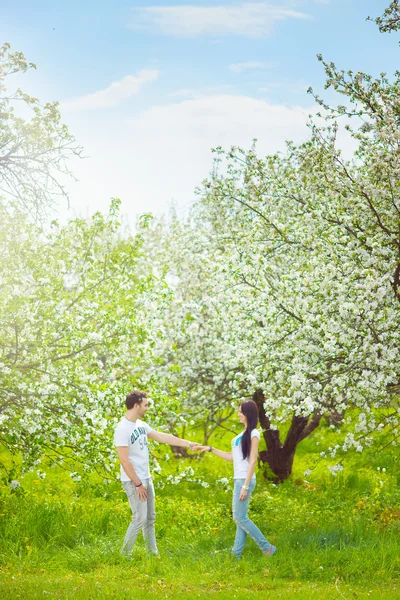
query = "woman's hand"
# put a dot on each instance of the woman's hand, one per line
(243, 494)
(199, 448)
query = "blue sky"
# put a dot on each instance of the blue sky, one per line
(148, 89)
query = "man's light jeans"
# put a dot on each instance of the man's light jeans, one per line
(143, 517)
(244, 525)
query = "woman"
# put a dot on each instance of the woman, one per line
(244, 456)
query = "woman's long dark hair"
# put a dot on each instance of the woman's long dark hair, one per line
(250, 411)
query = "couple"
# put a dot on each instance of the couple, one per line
(131, 435)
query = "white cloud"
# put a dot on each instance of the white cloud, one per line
(114, 93)
(245, 66)
(185, 93)
(196, 93)
(255, 20)
(164, 153)
(225, 118)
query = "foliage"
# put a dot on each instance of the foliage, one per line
(332, 534)
(73, 340)
(390, 20)
(287, 277)
(34, 152)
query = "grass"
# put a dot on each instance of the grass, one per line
(337, 538)
(149, 580)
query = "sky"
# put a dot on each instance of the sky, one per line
(148, 89)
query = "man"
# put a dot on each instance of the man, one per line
(130, 438)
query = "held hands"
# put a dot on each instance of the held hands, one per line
(199, 448)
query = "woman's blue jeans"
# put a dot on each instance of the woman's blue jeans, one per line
(244, 526)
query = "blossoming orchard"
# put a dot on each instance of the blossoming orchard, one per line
(287, 275)
(283, 286)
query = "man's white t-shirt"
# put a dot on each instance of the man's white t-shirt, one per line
(241, 465)
(134, 436)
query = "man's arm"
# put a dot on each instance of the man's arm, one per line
(168, 438)
(122, 452)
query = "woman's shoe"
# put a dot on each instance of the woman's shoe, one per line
(271, 551)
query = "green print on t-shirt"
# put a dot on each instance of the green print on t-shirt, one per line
(136, 433)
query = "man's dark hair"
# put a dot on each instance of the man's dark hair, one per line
(135, 397)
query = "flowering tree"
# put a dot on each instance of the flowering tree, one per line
(390, 20)
(185, 353)
(288, 277)
(34, 152)
(73, 340)
(75, 326)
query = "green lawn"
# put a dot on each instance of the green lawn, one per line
(149, 580)
(337, 537)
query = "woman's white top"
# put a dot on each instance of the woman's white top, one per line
(241, 465)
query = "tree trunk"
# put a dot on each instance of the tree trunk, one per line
(279, 456)
(180, 452)
(177, 450)
(335, 417)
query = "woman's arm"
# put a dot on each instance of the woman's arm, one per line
(252, 466)
(219, 453)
